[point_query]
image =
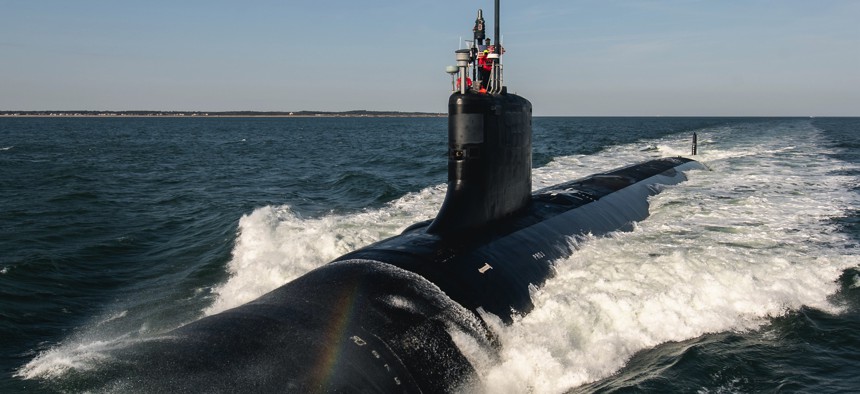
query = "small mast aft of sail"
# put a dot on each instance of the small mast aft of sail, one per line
(480, 65)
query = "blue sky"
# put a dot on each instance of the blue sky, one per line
(586, 57)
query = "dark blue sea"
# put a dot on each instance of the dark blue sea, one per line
(744, 279)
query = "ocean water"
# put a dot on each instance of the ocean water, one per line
(745, 278)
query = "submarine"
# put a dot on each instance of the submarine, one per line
(396, 315)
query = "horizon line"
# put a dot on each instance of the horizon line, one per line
(353, 113)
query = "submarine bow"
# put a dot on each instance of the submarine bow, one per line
(393, 316)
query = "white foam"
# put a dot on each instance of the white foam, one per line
(275, 245)
(86, 349)
(78, 354)
(114, 316)
(57, 362)
(724, 251)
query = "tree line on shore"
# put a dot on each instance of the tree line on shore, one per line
(355, 113)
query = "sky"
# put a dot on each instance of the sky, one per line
(568, 57)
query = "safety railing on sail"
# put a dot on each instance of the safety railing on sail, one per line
(494, 86)
(468, 64)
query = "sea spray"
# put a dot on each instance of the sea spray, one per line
(726, 251)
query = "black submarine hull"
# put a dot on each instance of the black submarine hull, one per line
(394, 316)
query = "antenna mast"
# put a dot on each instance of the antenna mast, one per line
(496, 29)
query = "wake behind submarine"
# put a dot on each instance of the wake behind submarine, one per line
(392, 316)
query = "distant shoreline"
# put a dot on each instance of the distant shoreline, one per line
(222, 114)
(326, 114)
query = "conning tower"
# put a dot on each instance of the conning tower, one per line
(489, 141)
